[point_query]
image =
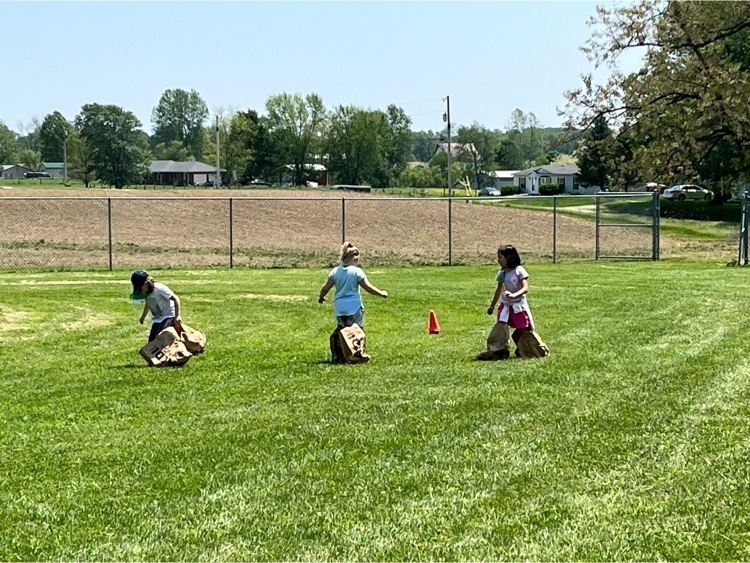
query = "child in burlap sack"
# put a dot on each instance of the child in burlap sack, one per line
(512, 287)
(160, 301)
(347, 278)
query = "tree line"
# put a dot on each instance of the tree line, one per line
(356, 145)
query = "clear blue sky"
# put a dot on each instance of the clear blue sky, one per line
(490, 57)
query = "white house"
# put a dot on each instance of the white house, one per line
(529, 180)
(54, 169)
(13, 171)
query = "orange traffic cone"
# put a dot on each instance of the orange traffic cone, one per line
(433, 326)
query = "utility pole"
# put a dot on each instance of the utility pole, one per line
(217, 182)
(65, 155)
(447, 119)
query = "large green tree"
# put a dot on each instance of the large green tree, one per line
(481, 161)
(295, 122)
(120, 149)
(396, 147)
(180, 116)
(596, 155)
(524, 130)
(81, 158)
(52, 134)
(248, 149)
(355, 144)
(9, 147)
(688, 101)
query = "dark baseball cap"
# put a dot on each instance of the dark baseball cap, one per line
(138, 278)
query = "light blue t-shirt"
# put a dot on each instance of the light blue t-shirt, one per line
(347, 300)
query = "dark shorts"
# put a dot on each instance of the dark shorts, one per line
(156, 328)
(349, 320)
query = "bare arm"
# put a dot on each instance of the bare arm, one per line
(369, 288)
(498, 292)
(523, 291)
(325, 289)
(143, 315)
(176, 301)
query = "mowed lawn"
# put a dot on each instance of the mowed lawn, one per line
(630, 442)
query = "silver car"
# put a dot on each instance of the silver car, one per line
(682, 192)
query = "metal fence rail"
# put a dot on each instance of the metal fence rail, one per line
(120, 232)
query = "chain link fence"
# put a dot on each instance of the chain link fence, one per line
(266, 232)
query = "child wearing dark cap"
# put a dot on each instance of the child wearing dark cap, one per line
(163, 304)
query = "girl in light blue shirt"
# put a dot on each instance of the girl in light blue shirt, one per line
(347, 278)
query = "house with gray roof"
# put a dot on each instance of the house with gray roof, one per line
(13, 171)
(173, 173)
(54, 169)
(529, 180)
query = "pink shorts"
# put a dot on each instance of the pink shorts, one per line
(515, 320)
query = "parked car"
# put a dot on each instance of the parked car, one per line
(682, 192)
(489, 192)
(259, 182)
(36, 175)
(207, 184)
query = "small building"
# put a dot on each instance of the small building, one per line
(13, 171)
(54, 169)
(501, 178)
(529, 180)
(172, 173)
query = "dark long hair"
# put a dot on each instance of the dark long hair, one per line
(511, 255)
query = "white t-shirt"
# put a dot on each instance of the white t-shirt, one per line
(513, 282)
(159, 303)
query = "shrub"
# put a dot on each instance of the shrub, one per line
(551, 189)
(510, 190)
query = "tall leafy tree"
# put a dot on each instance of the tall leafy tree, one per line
(355, 143)
(423, 143)
(396, 146)
(524, 131)
(509, 156)
(28, 137)
(30, 159)
(481, 159)
(9, 147)
(294, 122)
(180, 116)
(689, 99)
(52, 133)
(596, 155)
(81, 157)
(120, 151)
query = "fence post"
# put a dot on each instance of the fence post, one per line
(554, 229)
(231, 234)
(343, 220)
(109, 228)
(742, 252)
(596, 230)
(450, 231)
(656, 211)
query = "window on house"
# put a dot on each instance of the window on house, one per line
(545, 180)
(561, 179)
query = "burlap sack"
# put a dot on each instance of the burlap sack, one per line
(334, 341)
(531, 346)
(167, 349)
(194, 340)
(353, 344)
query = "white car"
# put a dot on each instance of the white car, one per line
(682, 192)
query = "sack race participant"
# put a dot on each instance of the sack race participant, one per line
(170, 341)
(348, 345)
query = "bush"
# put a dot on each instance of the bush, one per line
(551, 189)
(510, 190)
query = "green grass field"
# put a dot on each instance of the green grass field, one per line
(630, 442)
